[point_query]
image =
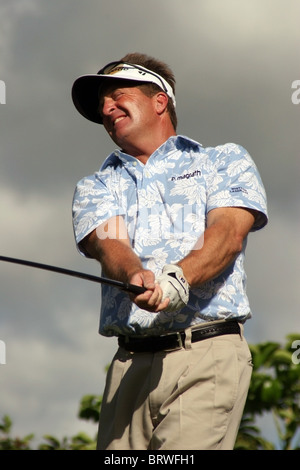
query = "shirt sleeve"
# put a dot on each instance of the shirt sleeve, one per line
(236, 182)
(93, 204)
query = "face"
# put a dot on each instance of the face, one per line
(127, 114)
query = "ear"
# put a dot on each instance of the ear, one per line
(161, 102)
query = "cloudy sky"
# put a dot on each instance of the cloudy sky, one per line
(235, 62)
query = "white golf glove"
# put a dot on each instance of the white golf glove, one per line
(175, 286)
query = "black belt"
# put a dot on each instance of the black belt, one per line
(174, 341)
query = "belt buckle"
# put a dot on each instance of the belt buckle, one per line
(180, 342)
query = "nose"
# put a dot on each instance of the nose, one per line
(108, 106)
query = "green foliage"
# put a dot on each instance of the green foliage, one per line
(9, 443)
(79, 442)
(249, 437)
(274, 388)
(90, 407)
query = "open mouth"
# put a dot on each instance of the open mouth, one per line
(118, 119)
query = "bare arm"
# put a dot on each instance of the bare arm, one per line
(223, 241)
(110, 245)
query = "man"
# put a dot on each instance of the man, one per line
(167, 214)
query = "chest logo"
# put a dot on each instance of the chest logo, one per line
(186, 176)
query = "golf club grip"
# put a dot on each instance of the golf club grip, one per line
(134, 289)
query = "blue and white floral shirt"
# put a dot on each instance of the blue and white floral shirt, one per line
(164, 204)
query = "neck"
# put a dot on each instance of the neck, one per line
(146, 146)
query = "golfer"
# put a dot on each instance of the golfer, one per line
(165, 213)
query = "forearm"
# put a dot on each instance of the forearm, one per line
(119, 262)
(221, 244)
(116, 257)
(206, 263)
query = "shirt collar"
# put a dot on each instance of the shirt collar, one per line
(174, 143)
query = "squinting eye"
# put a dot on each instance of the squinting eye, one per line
(117, 95)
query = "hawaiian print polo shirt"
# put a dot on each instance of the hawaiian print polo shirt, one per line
(164, 204)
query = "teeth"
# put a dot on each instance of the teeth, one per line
(119, 119)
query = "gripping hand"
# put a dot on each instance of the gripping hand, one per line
(175, 286)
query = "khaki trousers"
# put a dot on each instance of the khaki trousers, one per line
(189, 399)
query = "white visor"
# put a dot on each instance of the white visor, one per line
(137, 73)
(85, 90)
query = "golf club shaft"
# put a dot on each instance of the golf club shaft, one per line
(88, 277)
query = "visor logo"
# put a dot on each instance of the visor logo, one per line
(117, 69)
